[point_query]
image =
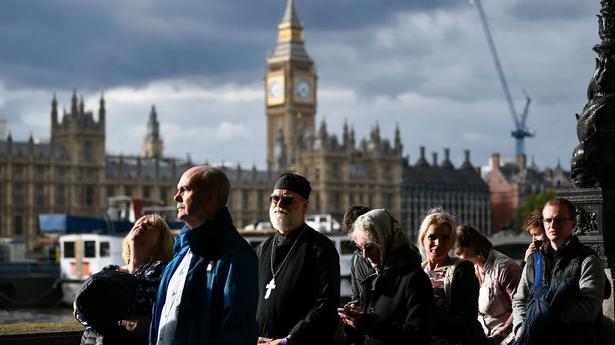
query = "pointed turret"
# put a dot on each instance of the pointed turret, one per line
(398, 145)
(534, 166)
(254, 172)
(290, 37)
(346, 135)
(54, 112)
(73, 103)
(9, 144)
(153, 144)
(238, 172)
(102, 112)
(376, 134)
(81, 106)
(322, 131)
(153, 131)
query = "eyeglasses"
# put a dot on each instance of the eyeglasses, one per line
(283, 201)
(367, 249)
(555, 221)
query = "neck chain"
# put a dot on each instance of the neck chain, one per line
(271, 284)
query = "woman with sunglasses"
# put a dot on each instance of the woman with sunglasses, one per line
(455, 287)
(397, 305)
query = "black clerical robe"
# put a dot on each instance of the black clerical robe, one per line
(304, 302)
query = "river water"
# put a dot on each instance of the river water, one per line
(28, 315)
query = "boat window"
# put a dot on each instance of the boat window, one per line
(104, 249)
(348, 247)
(89, 249)
(69, 249)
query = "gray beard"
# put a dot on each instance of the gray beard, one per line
(285, 223)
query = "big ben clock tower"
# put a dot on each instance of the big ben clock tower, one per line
(290, 93)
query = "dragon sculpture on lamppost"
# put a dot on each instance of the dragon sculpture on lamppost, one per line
(593, 160)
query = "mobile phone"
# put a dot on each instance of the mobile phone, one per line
(538, 244)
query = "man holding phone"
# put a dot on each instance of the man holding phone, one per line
(559, 297)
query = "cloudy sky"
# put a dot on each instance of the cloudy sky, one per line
(423, 64)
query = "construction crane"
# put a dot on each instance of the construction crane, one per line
(520, 120)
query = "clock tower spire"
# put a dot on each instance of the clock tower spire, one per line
(290, 90)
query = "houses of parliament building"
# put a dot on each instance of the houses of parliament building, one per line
(72, 173)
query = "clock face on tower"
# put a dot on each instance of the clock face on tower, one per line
(275, 89)
(303, 90)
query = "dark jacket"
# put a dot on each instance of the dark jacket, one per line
(457, 319)
(111, 295)
(218, 304)
(304, 303)
(360, 269)
(398, 303)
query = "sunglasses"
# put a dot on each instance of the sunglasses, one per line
(283, 201)
(367, 249)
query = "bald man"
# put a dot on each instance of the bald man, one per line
(208, 293)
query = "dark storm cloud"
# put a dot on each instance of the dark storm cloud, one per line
(97, 45)
(102, 44)
(346, 15)
(553, 10)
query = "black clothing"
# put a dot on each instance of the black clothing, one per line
(359, 270)
(457, 318)
(398, 303)
(111, 295)
(305, 299)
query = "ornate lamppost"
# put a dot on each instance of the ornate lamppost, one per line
(593, 160)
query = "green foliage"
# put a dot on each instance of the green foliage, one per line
(532, 202)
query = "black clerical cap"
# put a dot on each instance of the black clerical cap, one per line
(294, 183)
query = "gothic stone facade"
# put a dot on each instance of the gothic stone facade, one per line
(460, 191)
(73, 174)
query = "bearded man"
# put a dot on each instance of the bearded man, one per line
(299, 272)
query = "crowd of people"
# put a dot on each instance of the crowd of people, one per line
(211, 287)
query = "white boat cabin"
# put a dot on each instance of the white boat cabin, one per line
(84, 254)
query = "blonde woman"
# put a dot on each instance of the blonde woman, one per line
(146, 250)
(455, 287)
